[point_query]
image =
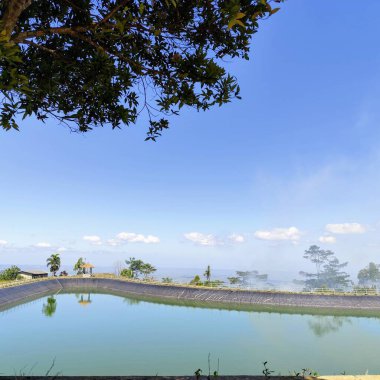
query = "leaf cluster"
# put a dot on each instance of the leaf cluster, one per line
(92, 63)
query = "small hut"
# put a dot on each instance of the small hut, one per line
(87, 269)
(32, 274)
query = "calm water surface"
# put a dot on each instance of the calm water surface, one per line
(108, 335)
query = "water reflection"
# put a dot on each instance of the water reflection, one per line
(83, 299)
(50, 307)
(323, 325)
(131, 301)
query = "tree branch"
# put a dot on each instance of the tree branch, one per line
(12, 13)
(21, 37)
(112, 13)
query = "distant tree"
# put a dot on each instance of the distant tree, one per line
(370, 274)
(247, 277)
(91, 63)
(50, 307)
(135, 266)
(234, 280)
(328, 273)
(78, 266)
(207, 273)
(146, 269)
(10, 273)
(319, 257)
(332, 276)
(138, 267)
(196, 280)
(63, 274)
(54, 263)
(167, 280)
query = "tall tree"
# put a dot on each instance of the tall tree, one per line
(89, 63)
(332, 275)
(207, 273)
(54, 263)
(146, 269)
(319, 257)
(329, 272)
(370, 274)
(134, 265)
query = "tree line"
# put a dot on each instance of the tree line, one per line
(329, 272)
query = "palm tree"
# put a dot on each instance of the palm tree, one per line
(50, 308)
(207, 273)
(54, 262)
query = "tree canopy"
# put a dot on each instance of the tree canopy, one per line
(89, 63)
(370, 274)
(329, 273)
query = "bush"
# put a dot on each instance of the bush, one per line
(167, 280)
(10, 274)
(196, 281)
(126, 273)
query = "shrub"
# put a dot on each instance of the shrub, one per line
(126, 273)
(9, 274)
(196, 281)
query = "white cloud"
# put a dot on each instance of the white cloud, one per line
(113, 242)
(327, 239)
(61, 249)
(42, 245)
(236, 238)
(132, 237)
(3, 243)
(345, 228)
(202, 239)
(291, 233)
(93, 239)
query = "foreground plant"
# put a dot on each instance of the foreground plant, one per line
(91, 63)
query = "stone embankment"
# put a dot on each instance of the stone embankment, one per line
(198, 295)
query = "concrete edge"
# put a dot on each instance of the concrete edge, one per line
(174, 293)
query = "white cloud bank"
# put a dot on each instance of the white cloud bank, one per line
(291, 233)
(131, 237)
(327, 239)
(345, 228)
(3, 243)
(236, 238)
(201, 239)
(93, 239)
(42, 245)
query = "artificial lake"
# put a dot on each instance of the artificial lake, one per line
(100, 334)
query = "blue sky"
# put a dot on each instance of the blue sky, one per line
(250, 185)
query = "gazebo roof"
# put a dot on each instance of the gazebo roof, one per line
(84, 303)
(87, 265)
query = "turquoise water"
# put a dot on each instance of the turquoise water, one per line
(101, 334)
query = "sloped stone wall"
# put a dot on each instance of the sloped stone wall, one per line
(201, 295)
